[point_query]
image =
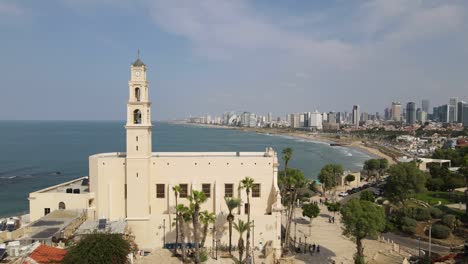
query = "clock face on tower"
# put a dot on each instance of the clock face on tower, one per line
(137, 73)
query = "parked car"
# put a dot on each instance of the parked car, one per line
(12, 224)
(2, 225)
(343, 194)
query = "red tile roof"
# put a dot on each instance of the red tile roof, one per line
(46, 254)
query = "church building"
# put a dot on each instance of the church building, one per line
(136, 185)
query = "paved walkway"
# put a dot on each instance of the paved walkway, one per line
(333, 245)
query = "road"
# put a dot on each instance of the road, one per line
(414, 244)
(356, 195)
(403, 240)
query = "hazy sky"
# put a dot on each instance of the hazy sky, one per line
(70, 59)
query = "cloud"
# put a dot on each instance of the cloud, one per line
(225, 29)
(10, 9)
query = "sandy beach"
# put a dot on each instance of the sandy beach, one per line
(349, 143)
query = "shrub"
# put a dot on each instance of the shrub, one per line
(99, 248)
(450, 221)
(203, 256)
(440, 231)
(367, 196)
(436, 212)
(422, 214)
(408, 225)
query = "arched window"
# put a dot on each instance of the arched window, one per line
(61, 206)
(137, 116)
(137, 94)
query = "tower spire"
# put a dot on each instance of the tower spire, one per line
(138, 54)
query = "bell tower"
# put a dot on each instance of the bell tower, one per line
(139, 148)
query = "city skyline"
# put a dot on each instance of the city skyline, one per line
(226, 55)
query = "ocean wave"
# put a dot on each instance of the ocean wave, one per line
(8, 177)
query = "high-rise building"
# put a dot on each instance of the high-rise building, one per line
(421, 115)
(465, 115)
(269, 118)
(453, 111)
(396, 111)
(460, 111)
(356, 115)
(332, 117)
(316, 120)
(425, 104)
(294, 120)
(364, 117)
(410, 113)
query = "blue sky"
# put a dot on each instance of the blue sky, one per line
(69, 59)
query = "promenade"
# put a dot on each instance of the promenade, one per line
(334, 246)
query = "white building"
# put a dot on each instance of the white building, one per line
(315, 120)
(136, 185)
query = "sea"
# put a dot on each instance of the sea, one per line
(38, 154)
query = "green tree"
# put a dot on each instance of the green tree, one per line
(328, 174)
(295, 182)
(99, 248)
(367, 196)
(404, 182)
(231, 203)
(177, 189)
(196, 199)
(287, 156)
(349, 178)
(310, 210)
(333, 207)
(362, 219)
(241, 227)
(206, 218)
(247, 184)
(371, 166)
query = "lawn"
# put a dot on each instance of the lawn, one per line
(433, 198)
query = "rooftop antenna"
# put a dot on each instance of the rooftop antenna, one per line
(138, 54)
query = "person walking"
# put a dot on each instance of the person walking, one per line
(318, 248)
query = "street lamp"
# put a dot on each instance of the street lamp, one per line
(430, 233)
(419, 246)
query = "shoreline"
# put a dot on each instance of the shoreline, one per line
(310, 136)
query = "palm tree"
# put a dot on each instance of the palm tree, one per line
(196, 199)
(183, 216)
(206, 218)
(287, 155)
(241, 227)
(177, 189)
(247, 184)
(295, 182)
(231, 203)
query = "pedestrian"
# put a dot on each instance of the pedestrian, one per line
(318, 248)
(329, 220)
(333, 219)
(313, 248)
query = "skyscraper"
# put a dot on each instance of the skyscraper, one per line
(396, 111)
(425, 104)
(410, 113)
(460, 111)
(356, 115)
(453, 111)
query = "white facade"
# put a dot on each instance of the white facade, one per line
(315, 120)
(136, 186)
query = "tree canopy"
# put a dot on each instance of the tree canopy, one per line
(367, 196)
(404, 182)
(328, 174)
(99, 248)
(310, 210)
(362, 219)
